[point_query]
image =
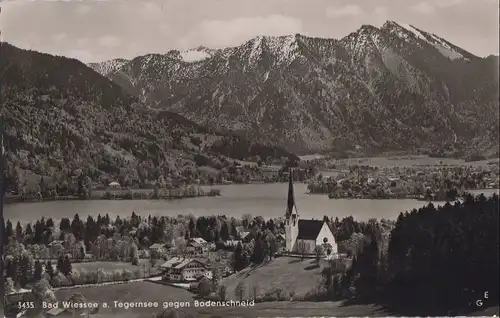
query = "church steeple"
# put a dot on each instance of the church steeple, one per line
(291, 217)
(291, 208)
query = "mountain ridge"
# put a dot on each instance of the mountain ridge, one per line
(396, 87)
(203, 47)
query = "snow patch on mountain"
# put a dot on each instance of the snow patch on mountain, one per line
(108, 67)
(445, 49)
(194, 56)
(257, 49)
(448, 52)
(431, 39)
(285, 46)
(413, 30)
(266, 76)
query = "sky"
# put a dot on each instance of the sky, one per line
(99, 30)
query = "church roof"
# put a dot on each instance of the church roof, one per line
(309, 229)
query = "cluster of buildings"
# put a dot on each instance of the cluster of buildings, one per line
(199, 259)
(405, 182)
(302, 237)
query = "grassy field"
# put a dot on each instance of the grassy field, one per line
(407, 161)
(144, 266)
(287, 273)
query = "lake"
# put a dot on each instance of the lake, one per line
(267, 200)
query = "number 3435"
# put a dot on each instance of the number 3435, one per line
(25, 305)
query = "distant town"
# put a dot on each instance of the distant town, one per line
(429, 183)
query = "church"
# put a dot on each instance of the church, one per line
(302, 236)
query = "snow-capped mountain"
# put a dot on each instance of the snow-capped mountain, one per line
(108, 67)
(393, 87)
(197, 54)
(409, 33)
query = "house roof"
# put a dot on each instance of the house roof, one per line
(270, 168)
(179, 262)
(198, 240)
(309, 229)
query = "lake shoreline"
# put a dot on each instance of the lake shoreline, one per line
(7, 202)
(268, 201)
(116, 195)
(401, 197)
(16, 199)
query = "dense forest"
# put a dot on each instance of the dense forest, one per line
(439, 261)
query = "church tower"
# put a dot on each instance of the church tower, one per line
(291, 217)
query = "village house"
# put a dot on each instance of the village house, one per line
(394, 183)
(114, 185)
(244, 236)
(158, 250)
(269, 171)
(194, 248)
(197, 246)
(198, 240)
(302, 236)
(180, 269)
(56, 248)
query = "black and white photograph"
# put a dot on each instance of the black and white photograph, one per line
(249, 158)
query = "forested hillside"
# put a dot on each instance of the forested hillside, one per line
(66, 122)
(436, 261)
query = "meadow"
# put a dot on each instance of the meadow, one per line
(144, 266)
(408, 161)
(288, 274)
